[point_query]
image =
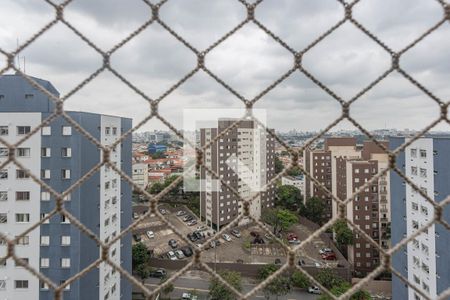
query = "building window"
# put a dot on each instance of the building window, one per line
(46, 130)
(65, 262)
(66, 152)
(66, 130)
(424, 210)
(413, 170)
(22, 218)
(114, 130)
(425, 249)
(425, 268)
(3, 174)
(64, 220)
(29, 96)
(65, 240)
(45, 240)
(414, 206)
(416, 279)
(45, 196)
(23, 152)
(415, 224)
(68, 197)
(21, 284)
(46, 152)
(2, 285)
(423, 153)
(21, 174)
(3, 196)
(22, 196)
(3, 218)
(4, 130)
(65, 174)
(45, 262)
(67, 287)
(415, 243)
(44, 286)
(44, 216)
(21, 130)
(4, 152)
(423, 172)
(414, 153)
(425, 287)
(45, 174)
(24, 240)
(107, 130)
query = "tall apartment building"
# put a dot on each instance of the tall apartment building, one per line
(320, 163)
(60, 155)
(140, 174)
(343, 166)
(425, 261)
(244, 158)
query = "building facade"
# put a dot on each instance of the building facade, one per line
(297, 181)
(244, 158)
(60, 155)
(424, 261)
(140, 174)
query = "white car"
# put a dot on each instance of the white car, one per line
(202, 228)
(181, 213)
(226, 237)
(314, 290)
(325, 250)
(171, 255)
(150, 234)
(179, 254)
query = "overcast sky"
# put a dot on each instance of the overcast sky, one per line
(248, 61)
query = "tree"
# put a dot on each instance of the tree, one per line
(143, 271)
(343, 287)
(156, 188)
(313, 210)
(266, 271)
(278, 165)
(294, 171)
(168, 289)
(280, 219)
(158, 155)
(299, 280)
(328, 279)
(344, 235)
(139, 254)
(219, 291)
(289, 196)
(279, 286)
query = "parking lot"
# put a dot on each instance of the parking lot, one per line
(237, 249)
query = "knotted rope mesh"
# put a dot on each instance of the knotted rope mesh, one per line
(297, 66)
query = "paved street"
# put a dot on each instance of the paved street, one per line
(199, 282)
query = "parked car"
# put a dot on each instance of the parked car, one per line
(137, 237)
(198, 235)
(187, 218)
(187, 251)
(236, 233)
(314, 290)
(186, 296)
(202, 228)
(158, 273)
(292, 236)
(179, 254)
(325, 250)
(294, 241)
(226, 237)
(171, 255)
(150, 234)
(181, 213)
(192, 237)
(163, 211)
(173, 243)
(135, 215)
(212, 244)
(329, 256)
(301, 262)
(191, 223)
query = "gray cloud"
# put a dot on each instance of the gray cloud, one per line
(248, 61)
